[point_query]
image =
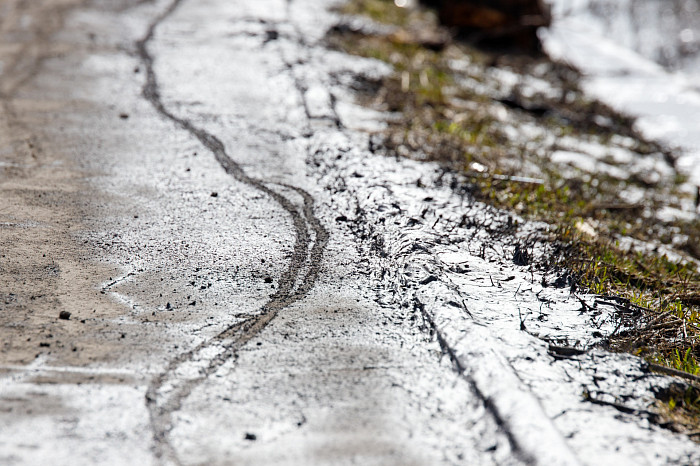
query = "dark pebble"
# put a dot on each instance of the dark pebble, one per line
(249, 436)
(428, 279)
(214, 194)
(123, 116)
(65, 315)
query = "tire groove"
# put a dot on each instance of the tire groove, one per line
(232, 338)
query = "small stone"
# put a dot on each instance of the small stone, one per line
(123, 116)
(268, 279)
(251, 437)
(64, 315)
(214, 194)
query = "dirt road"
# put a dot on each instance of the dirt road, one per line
(246, 282)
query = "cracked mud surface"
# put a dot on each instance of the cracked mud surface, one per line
(247, 283)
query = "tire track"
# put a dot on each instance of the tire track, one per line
(168, 390)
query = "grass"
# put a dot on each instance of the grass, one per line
(450, 109)
(679, 406)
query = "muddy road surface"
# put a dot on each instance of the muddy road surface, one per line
(203, 262)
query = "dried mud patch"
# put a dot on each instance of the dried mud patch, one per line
(46, 272)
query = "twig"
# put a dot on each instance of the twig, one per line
(566, 351)
(620, 407)
(663, 325)
(659, 317)
(522, 321)
(518, 179)
(611, 206)
(623, 302)
(583, 303)
(673, 372)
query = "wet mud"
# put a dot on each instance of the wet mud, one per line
(267, 289)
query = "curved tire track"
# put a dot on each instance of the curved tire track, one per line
(168, 390)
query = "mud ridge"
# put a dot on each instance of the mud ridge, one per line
(167, 391)
(374, 243)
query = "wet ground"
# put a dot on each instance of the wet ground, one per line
(248, 283)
